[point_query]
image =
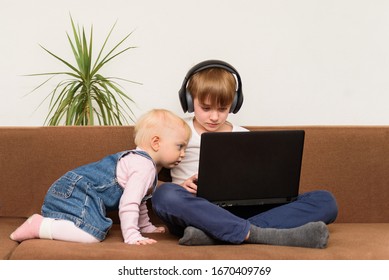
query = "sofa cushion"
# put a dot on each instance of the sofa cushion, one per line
(7, 226)
(353, 241)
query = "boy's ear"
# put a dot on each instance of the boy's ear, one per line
(155, 143)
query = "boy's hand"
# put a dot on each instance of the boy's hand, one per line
(190, 184)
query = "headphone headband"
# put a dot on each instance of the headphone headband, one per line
(186, 97)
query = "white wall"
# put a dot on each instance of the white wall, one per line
(302, 62)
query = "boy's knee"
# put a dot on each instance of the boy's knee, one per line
(165, 193)
(328, 203)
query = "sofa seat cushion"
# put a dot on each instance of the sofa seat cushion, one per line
(353, 241)
(7, 226)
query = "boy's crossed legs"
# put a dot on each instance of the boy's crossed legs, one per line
(181, 210)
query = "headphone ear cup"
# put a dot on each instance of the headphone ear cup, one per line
(189, 102)
(234, 103)
(237, 103)
(182, 94)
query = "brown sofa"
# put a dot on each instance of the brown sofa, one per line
(351, 162)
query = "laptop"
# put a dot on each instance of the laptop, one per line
(250, 168)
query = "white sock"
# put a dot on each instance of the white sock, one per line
(68, 231)
(45, 228)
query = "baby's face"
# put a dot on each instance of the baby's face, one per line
(172, 145)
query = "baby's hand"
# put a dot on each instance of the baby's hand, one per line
(146, 241)
(159, 230)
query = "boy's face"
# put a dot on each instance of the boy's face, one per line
(210, 117)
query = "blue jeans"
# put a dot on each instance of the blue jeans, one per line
(178, 209)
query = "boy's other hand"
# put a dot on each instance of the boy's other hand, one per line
(190, 184)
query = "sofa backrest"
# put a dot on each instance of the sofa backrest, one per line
(351, 162)
(32, 158)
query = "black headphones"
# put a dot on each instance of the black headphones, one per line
(186, 97)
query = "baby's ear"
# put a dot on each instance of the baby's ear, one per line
(155, 143)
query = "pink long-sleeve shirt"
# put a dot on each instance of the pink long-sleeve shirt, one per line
(136, 174)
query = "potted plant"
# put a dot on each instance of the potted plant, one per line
(84, 96)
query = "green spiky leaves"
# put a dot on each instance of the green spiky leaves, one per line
(83, 96)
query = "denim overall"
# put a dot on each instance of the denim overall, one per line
(84, 194)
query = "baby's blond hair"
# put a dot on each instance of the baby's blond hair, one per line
(155, 122)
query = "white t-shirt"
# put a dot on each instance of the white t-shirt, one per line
(190, 164)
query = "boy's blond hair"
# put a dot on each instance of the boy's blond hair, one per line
(216, 85)
(155, 122)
